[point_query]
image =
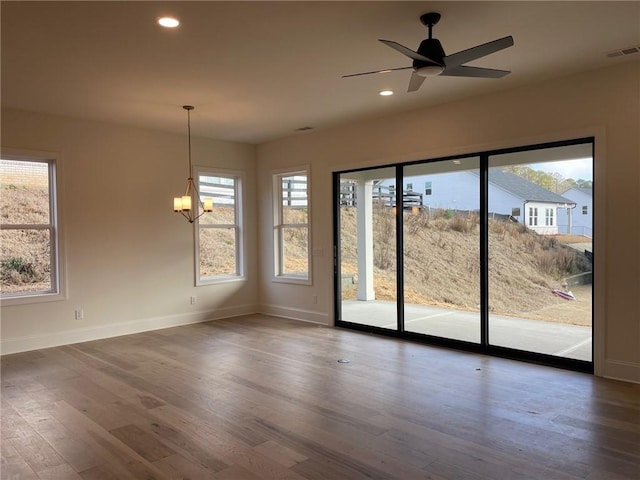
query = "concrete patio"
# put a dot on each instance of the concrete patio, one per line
(562, 340)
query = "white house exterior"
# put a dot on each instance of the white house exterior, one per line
(582, 215)
(509, 196)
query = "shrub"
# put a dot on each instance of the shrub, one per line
(384, 227)
(497, 227)
(462, 224)
(459, 224)
(546, 262)
(548, 243)
(564, 260)
(16, 271)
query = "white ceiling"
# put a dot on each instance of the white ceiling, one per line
(257, 71)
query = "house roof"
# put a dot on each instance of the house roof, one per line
(586, 191)
(523, 188)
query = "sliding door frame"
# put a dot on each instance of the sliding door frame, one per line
(484, 346)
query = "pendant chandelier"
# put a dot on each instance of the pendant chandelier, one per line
(183, 204)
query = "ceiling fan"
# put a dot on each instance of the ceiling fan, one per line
(430, 59)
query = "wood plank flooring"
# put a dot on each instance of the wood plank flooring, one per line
(258, 397)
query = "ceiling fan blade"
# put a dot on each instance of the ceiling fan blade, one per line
(415, 82)
(464, 56)
(386, 70)
(406, 51)
(464, 71)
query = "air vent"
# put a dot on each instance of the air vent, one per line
(624, 51)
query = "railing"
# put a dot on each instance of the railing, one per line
(381, 194)
(294, 193)
(576, 230)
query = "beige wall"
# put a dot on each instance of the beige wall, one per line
(603, 103)
(129, 257)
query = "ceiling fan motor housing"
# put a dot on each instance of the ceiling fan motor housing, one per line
(430, 48)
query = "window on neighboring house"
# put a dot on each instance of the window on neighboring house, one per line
(533, 216)
(548, 217)
(291, 226)
(410, 187)
(515, 212)
(427, 188)
(30, 249)
(219, 233)
(585, 209)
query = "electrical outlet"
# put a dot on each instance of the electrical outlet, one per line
(79, 314)
(194, 299)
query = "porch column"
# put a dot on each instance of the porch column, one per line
(364, 191)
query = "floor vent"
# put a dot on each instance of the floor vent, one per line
(624, 51)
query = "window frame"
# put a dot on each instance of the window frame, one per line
(428, 188)
(57, 291)
(533, 216)
(238, 226)
(548, 217)
(279, 227)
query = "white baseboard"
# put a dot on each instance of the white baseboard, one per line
(321, 318)
(48, 340)
(625, 371)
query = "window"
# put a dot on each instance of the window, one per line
(533, 216)
(291, 226)
(410, 187)
(219, 233)
(548, 217)
(427, 188)
(29, 263)
(515, 212)
(585, 209)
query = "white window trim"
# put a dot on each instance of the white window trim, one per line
(58, 259)
(276, 176)
(239, 228)
(548, 217)
(533, 216)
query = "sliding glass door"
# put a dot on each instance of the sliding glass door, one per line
(441, 249)
(367, 247)
(540, 210)
(490, 252)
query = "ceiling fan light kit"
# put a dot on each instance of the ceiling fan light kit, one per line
(430, 59)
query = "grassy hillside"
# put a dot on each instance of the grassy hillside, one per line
(24, 254)
(442, 267)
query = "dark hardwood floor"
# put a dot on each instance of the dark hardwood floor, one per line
(258, 397)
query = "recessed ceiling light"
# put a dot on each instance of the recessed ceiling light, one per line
(385, 93)
(168, 22)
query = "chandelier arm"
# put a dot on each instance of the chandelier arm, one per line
(186, 216)
(189, 186)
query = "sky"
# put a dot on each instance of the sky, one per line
(576, 169)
